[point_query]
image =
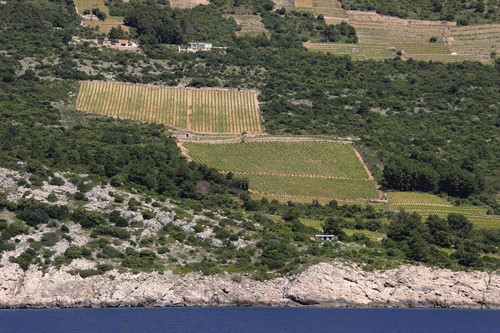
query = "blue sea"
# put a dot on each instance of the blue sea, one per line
(254, 320)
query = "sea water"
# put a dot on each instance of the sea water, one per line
(254, 320)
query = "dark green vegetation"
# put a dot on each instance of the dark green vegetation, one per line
(162, 25)
(294, 28)
(441, 118)
(463, 11)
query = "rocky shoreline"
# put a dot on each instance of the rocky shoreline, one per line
(326, 284)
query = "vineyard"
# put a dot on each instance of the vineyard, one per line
(225, 111)
(296, 170)
(305, 199)
(328, 8)
(382, 37)
(373, 236)
(311, 223)
(416, 198)
(294, 159)
(104, 26)
(251, 25)
(206, 110)
(476, 42)
(428, 204)
(187, 3)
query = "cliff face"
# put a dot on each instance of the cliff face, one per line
(328, 284)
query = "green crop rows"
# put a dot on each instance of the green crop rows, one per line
(312, 159)
(415, 198)
(322, 170)
(382, 37)
(213, 110)
(428, 204)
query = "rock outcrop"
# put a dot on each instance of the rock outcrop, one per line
(327, 284)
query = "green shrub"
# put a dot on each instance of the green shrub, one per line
(108, 230)
(3, 224)
(117, 219)
(148, 214)
(14, 229)
(57, 181)
(52, 197)
(145, 260)
(25, 259)
(111, 252)
(50, 239)
(74, 252)
(88, 219)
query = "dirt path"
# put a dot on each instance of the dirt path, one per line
(304, 175)
(360, 158)
(370, 176)
(184, 151)
(260, 137)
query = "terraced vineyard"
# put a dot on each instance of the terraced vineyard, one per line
(82, 5)
(225, 111)
(305, 5)
(373, 236)
(104, 26)
(251, 25)
(315, 224)
(475, 42)
(428, 204)
(416, 198)
(381, 37)
(203, 110)
(306, 159)
(321, 170)
(329, 8)
(318, 225)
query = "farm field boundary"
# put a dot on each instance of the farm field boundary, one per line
(292, 171)
(383, 37)
(207, 110)
(427, 204)
(104, 26)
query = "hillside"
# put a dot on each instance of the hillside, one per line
(139, 166)
(465, 12)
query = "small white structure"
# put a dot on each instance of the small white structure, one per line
(197, 47)
(90, 17)
(324, 237)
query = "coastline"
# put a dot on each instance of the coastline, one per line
(326, 284)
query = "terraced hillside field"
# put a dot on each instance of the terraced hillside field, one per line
(381, 37)
(251, 25)
(294, 170)
(104, 26)
(475, 42)
(187, 3)
(428, 204)
(328, 8)
(199, 110)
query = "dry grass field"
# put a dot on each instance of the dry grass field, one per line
(199, 110)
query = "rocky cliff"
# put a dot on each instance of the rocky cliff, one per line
(327, 284)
